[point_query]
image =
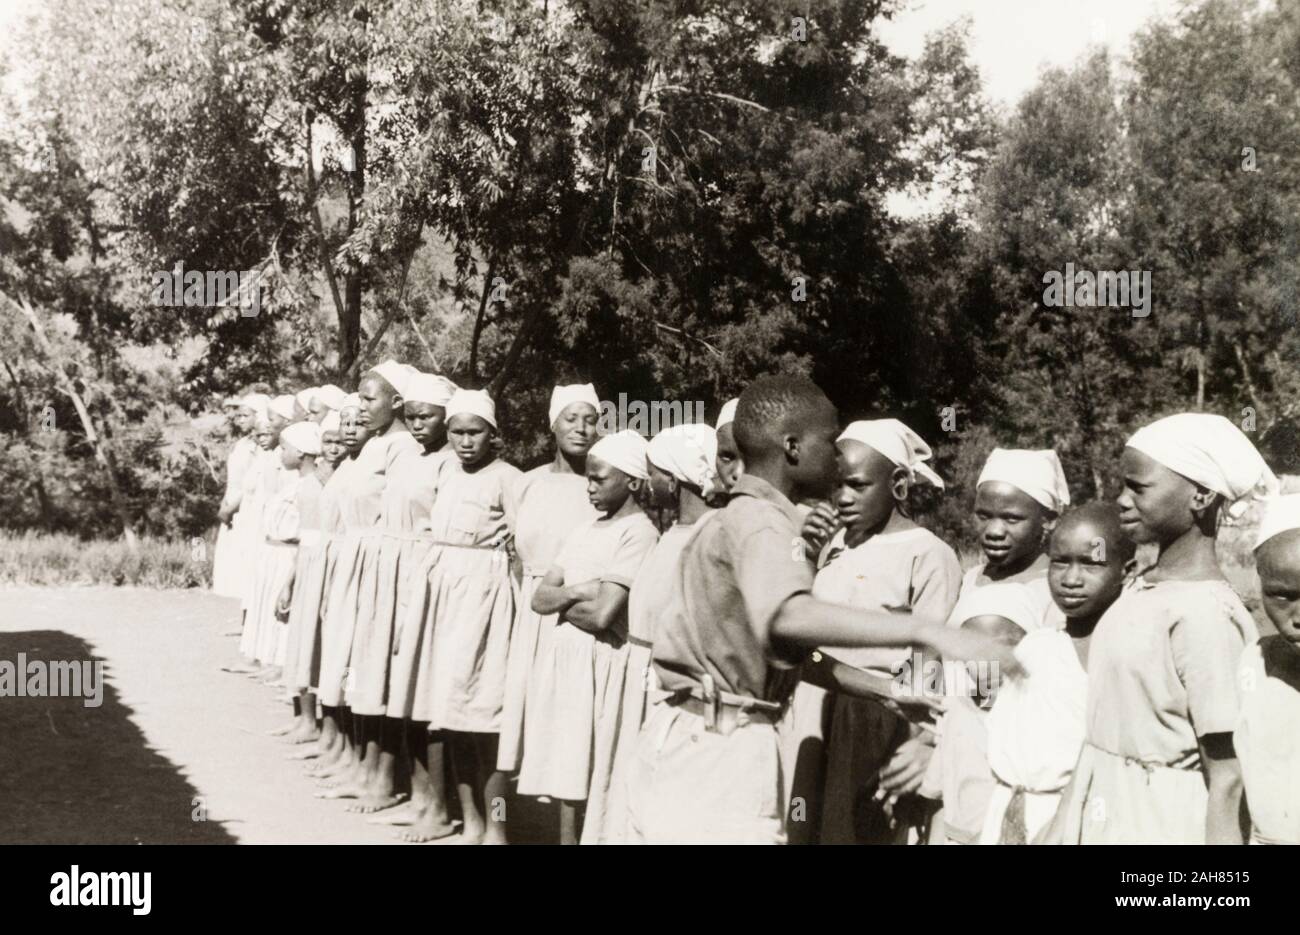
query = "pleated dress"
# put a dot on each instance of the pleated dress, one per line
(386, 563)
(310, 489)
(263, 565)
(551, 505)
(246, 525)
(360, 501)
(450, 669)
(229, 562)
(573, 701)
(317, 559)
(277, 559)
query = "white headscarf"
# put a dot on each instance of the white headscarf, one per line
(304, 397)
(728, 413)
(282, 406)
(350, 401)
(1036, 473)
(331, 422)
(396, 374)
(1281, 514)
(1210, 451)
(331, 396)
(564, 396)
(896, 442)
(305, 436)
(258, 402)
(624, 450)
(429, 388)
(687, 452)
(472, 403)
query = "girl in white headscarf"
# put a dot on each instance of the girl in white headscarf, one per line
(258, 481)
(229, 562)
(1158, 765)
(682, 479)
(455, 634)
(573, 702)
(300, 599)
(333, 749)
(875, 558)
(552, 502)
(350, 604)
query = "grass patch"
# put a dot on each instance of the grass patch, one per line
(61, 560)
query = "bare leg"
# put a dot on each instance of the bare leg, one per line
(432, 821)
(570, 822)
(479, 786)
(383, 749)
(333, 742)
(305, 731)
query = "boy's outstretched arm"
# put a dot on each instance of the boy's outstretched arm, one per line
(803, 620)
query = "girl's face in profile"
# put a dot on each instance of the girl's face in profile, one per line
(1155, 503)
(607, 487)
(728, 463)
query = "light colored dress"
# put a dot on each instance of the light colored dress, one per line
(229, 563)
(1267, 739)
(572, 709)
(360, 499)
(1162, 670)
(318, 554)
(911, 570)
(551, 505)
(385, 566)
(455, 632)
(1034, 578)
(959, 774)
(272, 478)
(247, 523)
(1035, 732)
(279, 554)
(310, 539)
(649, 591)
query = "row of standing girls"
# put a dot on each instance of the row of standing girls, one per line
(629, 631)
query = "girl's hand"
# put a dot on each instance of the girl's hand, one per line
(819, 526)
(966, 645)
(283, 604)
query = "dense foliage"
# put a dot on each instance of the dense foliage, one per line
(667, 198)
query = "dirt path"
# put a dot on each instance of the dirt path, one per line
(174, 737)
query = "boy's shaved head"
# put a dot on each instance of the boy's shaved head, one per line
(1103, 517)
(769, 407)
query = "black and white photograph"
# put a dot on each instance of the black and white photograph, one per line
(840, 422)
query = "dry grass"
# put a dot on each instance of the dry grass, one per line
(61, 560)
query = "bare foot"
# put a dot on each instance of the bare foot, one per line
(304, 737)
(330, 764)
(238, 669)
(283, 731)
(404, 814)
(426, 828)
(303, 753)
(375, 803)
(348, 791)
(233, 633)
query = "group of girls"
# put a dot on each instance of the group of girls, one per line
(457, 621)
(462, 624)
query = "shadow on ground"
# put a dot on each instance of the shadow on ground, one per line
(70, 774)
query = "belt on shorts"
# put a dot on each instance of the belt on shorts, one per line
(723, 711)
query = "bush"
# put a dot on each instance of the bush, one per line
(32, 558)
